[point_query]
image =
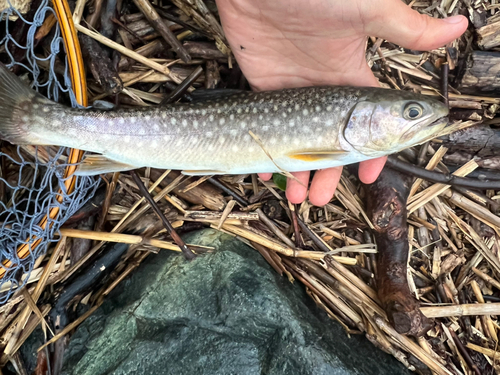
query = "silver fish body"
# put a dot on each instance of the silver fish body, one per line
(248, 132)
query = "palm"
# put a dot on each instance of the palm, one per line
(293, 43)
(303, 43)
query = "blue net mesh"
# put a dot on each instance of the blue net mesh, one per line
(32, 177)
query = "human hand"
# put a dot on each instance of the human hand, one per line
(296, 43)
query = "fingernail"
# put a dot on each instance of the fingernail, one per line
(454, 19)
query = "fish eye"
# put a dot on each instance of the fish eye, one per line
(413, 111)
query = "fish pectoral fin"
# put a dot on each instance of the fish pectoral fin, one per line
(97, 164)
(317, 155)
(205, 172)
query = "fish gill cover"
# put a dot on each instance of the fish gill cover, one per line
(31, 178)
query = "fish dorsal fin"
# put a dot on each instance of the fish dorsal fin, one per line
(317, 155)
(212, 94)
(97, 164)
(201, 172)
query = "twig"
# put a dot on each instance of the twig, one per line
(123, 50)
(188, 254)
(183, 87)
(441, 178)
(241, 201)
(160, 26)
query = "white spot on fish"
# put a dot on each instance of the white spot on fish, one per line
(289, 109)
(164, 115)
(238, 110)
(235, 148)
(211, 117)
(173, 120)
(254, 110)
(305, 112)
(329, 108)
(284, 104)
(121, 121)
(218, 111)
(319, 129)
(203, 112)
(46, 109)
(246, 137)
(285, 139)
(166, 137)
(265, 128)
(209, 134)
(291, 123)
(195, 124)
(57, 123)
(25, 118)
(147, 117)
(247, 110)
(296, 141)
(297, 107)
(141, 131)
(35, 106)
(221, 139)
(276, 122)
(283, 114)
(275, 108)
(306, 129)
(315, 119)
(222, 121)
(243, 124)
(318, 108)
(231, 117)
(266, 110)
(329, 122)
(233, 132)
(133, 120)
(273, 141)
(261, 117)
(156, 127)
(184, 122)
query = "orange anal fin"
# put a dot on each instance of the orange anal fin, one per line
(317, 155)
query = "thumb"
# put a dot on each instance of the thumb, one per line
(398, 23)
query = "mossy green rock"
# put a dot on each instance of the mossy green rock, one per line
(226, 312)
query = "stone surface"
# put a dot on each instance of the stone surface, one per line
(226, 312)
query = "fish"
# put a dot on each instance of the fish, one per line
(239, 132)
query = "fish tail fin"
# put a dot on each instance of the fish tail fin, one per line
(15, 99)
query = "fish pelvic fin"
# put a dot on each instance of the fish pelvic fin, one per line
(16, 99)
(317, 155)
(206, 172)
(93, 165)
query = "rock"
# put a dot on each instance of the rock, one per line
(227, 312)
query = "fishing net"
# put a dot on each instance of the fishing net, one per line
(32, 182)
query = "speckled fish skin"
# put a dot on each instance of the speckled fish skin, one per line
(302, 128)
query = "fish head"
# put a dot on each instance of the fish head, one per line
(390, 122)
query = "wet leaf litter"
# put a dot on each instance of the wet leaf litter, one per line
(436, 308)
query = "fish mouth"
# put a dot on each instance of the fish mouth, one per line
(440, 123)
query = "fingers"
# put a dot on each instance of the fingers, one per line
(323, 185)
(369, 170)
(410, 29)
(296, 192)
(265, 176)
